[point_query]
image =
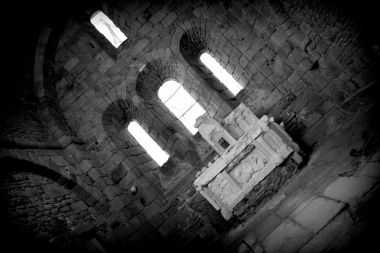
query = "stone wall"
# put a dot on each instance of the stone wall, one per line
(330, 206)
(284, 53)
(40, 210)
(266, 189)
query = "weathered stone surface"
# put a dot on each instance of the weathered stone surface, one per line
(371, 169)
(117, 204)
(282, 52)
(43, 207)
(244, 162)
(244, 248)
(267, 226)
(317, 213)
(287, 237)
(250, 238)
(349, 189)
(292, 202)
(338, 230)
(79, 206)
(70, 64)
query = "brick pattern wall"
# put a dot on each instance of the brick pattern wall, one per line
(259, 44)
(42, 209)
(290, 68)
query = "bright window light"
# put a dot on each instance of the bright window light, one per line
(106, 27)
(221, 73)
(151, 147)
(181, 104)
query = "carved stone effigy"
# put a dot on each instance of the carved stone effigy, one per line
(249, 149)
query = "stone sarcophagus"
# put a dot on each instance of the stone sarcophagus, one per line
(249, 149)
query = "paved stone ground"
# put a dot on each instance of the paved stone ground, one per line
(329, 206)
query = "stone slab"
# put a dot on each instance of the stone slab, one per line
(250, 238)
(257, 248)
(287, 237)
(349, 189)
(338, 230)
(371, 169)
(317, 213)
(376, 157)
(267, 226)
(293, 202)
(244, 248)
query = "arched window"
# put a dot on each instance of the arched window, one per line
(106, 27)
(150, 146)
(220, 73)
(181, 104)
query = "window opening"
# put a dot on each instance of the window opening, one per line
(223, 143)
(150, 146)
(219, 72)
(106, 27)
(181, 104)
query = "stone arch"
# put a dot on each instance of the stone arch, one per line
(82, 178)
(26, 166)
(196, 37)
(70, 182)
(154, 75)
(44, 82)
(115, 120)
(116, 116)
(150, 79)
(43, 191)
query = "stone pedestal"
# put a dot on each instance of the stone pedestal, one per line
(249, 149)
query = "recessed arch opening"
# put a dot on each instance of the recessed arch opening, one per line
(107, 27)
(220, 73)
(150, 146)
(181, 104)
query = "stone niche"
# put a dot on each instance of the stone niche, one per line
(248, 149)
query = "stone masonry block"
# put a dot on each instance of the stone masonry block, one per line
(278, 39)
(349, 189)
(317, 213)
(293, 202)
(371, 169)
(128, 180)
(267, 225)
(84, 166)
(244, 248)
(151, 210)
(287, 237)
(250, 238)
(105, 65)
(117, 204)
(157, 17)
(146, 28)
(169, 19)
(71, 63)
(79, 206)
(111, 191)
(334, 52)
(94, 173)
(300, 39)
(338, 230)
(139, 46)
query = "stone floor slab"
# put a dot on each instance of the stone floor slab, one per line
(287, 237)
(244, 248)
(317, 213)
(250, 238)
(349, 189)
(371, 170)
(338, 230)
(267, 226)
(376, 157)
(292, 202)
